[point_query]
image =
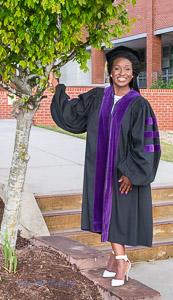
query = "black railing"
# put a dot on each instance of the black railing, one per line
(165, 75)
(142, 80)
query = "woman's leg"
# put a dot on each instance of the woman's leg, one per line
(121, 265)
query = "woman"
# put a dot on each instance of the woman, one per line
(122, 156)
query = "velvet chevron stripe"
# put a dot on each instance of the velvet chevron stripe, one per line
(150, 121)
(151, 134)
(152, 148)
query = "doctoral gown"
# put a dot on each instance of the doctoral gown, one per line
(138, 154)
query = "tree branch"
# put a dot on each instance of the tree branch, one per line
(70, 57)
(63, 62)
(31, 76)
(9, 88)
(21, 84)
(48, 69)
(59, 26)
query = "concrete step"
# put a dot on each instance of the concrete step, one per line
(66, 218)
(162, 209)
(51, 202)
(162, 229)
(162, 193)
(91, 263)
(161, 249)
(62, 219)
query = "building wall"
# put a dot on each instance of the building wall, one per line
(139, 11)
(71, 74)
(161, 101)
(163, 14)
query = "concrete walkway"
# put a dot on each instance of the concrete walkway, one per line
(57, 165)
(156, 274)
(57, 161)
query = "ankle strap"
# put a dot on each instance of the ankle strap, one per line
(122, 257)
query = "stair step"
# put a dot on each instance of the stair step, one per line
(160, 230)
(162, 201)
(66, 218)
(51, 202)
(162, 193)
(62, 214)
(47, 203)
(63, 219)
(162, 209)
(91, 262)
(161, 249)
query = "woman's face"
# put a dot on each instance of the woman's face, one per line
(122, 72)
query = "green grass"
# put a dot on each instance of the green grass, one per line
(167, 152)
(58, 129)
(167, 149)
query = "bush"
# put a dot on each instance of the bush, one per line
(170, 85)
(160, 84)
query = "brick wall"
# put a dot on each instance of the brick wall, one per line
(162, 15)
(162, 104)
(139, 11)
(5, 108)
(161, 101)
(97, 66)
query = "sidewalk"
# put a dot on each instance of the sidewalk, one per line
(57, 161)
(57, 165)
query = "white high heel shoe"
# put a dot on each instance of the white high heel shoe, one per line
(108, 274)
(119, 282)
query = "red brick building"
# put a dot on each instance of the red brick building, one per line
(152, 35)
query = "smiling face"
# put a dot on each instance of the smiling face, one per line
(122, 72)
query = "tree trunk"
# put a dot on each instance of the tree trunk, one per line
(16, 180)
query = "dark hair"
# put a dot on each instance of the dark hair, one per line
(136, 65)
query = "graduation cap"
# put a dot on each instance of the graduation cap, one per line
(121, 50)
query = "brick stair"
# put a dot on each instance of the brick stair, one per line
(62, 214)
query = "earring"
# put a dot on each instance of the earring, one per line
(111, 75)
(132, 76)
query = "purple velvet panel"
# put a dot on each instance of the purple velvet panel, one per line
(106, 157)
(149, 148)
(151, 134)
(150, 121)
(101, 157)
(157, 148)
(152, 148)
(155, 121)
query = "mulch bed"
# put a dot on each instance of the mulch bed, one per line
(43, 274)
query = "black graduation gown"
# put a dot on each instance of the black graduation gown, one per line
(131, 215)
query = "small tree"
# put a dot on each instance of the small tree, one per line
(34, 34)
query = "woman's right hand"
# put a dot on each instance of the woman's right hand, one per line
(52, 80)
(126, 185)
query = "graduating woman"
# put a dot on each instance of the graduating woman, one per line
(122, 156)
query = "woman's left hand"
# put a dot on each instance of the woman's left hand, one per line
(125, 186)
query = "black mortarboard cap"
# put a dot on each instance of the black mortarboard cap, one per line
(120, 50)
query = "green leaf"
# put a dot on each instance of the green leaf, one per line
(23, 63)
(46, 30)
(15, 263)
(133, 20)
(133, 2)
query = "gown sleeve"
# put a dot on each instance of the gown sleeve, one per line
(141, 163)
(72, 114)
